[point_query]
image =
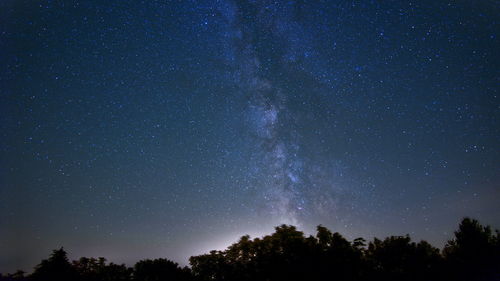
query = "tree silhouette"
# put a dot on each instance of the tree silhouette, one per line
(397, 258)
(91, 269)
(19, 275)
(159, 270)
(338, 257)
(56, 268)
(474, 254)
(287, 254)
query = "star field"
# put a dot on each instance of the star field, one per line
(169, 128)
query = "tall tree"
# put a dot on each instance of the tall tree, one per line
(474, 253)
(56, 268)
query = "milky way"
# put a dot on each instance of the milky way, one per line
(287, 190)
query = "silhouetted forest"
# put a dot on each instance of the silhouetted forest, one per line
(287, 254)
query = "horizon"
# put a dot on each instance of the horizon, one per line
(130, 262)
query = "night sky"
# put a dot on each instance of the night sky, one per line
(144, 129)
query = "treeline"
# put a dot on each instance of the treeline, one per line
(473, 254)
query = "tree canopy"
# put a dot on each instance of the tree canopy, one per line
(288, 254)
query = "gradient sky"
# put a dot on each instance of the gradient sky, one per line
(143, 129)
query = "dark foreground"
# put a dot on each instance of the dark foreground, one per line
(473, 254)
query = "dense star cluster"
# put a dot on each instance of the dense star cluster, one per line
(134, 129)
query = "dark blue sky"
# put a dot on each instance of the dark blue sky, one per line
(169, 128)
